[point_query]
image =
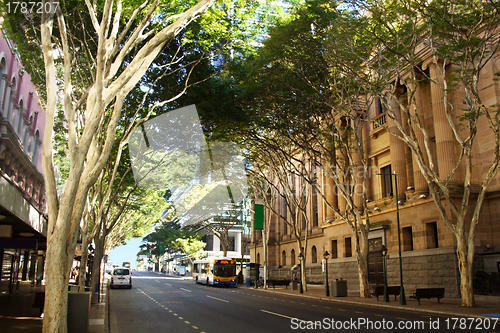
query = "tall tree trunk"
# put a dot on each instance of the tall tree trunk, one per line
(82, 275)
(96, 267)
(56, 293)
(361, 247)
(465, 259)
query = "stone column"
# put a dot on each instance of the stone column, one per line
(342, 203)
(417, 112)
(397, 149)
(31, 274)
(330, 188)
(444, 135)
(40, 264)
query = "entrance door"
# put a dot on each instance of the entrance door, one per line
(375, 263)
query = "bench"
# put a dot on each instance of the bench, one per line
(391, 290)
(39, 301)
(275, 283)
(428, 293)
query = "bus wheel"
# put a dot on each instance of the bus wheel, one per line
(207, 282)
(196, 279)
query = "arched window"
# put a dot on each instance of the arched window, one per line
(314, 255)
(11, 91)
(27, 143)
(283, 258)
(292, 257)
(36, 148)
(20, 119)
(3, 70)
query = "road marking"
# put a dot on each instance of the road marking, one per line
(281, 315)
(181, 318)
(185, 290)
(327, 307)
(222, 300)
(195, 327)
(187, 322)
(401, 318)
(341, 309)
(379, 315)
(168, 284)
(359, 312)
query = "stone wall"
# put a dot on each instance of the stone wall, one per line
(432, 268)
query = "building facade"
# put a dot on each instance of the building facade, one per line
(23, 221)
(428, 246)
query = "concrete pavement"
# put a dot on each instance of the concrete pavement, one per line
(486, 306)
(17, 313)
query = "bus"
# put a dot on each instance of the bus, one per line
(215, 271)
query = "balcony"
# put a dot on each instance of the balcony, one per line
(378, 125)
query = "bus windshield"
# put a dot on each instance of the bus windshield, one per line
(224, 270)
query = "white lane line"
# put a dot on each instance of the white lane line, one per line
(185, 289)
(168, 284)
(222, 300)
(280, 315)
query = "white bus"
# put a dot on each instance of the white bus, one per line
(215, 271)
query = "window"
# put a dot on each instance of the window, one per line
(432, 235)
(314, 255)
(386, 181)
(348, 247)
(292, 257)
(121, 271)
(407, 239)
(334, 251)
(381, 105)
(230, 246)
(283, 258)
(210, 242)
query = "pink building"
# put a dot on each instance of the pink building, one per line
(23, 222)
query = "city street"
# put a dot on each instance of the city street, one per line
(160, 303)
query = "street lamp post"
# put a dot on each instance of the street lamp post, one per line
(402, 297)
(301, 257)
(326, 255)
(383, 250)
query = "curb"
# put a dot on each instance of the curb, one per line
(106, 310)
(334, 300)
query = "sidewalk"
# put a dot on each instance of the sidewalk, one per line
(17, 313)
(486, 306)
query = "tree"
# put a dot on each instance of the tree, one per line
(193, 247)
(126, 43)
(450, 47)
(310, 127)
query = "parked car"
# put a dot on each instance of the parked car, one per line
(121, 277)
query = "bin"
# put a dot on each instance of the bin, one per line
(295, 285)
(78, 312)
(339, 288)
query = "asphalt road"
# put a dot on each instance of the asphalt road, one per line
(166, 304)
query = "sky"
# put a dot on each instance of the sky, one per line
(126, 252)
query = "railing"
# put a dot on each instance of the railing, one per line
(379, 121)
